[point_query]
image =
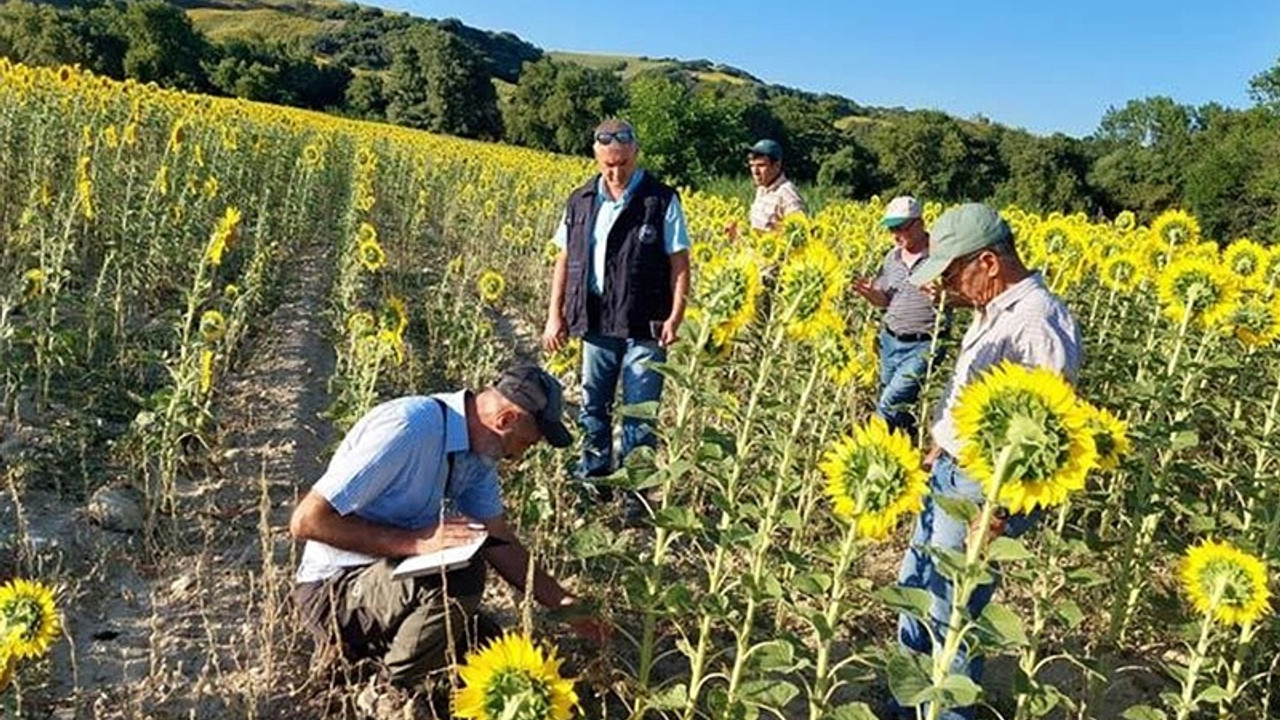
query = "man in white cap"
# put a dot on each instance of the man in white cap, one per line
(972, 259)
(910, 316)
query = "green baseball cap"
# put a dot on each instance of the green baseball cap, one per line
(768, 148)
(960, 231)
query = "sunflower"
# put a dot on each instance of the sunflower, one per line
(28, 617)
(1036, 412)
(810, 285)
(839, 356)
(1255, 320)
(512, 679)
(728, 288)
(222, 236)
(394, 317)
(874, 477)
(1201, 288)
(34, 280)
(206, 371)
(1121, 272)
(1109, 436)
(1225, 583)
(1125, 221)
(371, 256)
(566, 359)
(770, 246)
(366, 233)
(361, 323)
(213, 326)
(8, 664)
(491, 284)
(1247, 260)
(1176, 227)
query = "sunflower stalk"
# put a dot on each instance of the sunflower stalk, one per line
(820, 691)
(1187, 702)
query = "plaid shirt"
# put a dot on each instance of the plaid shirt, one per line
(1025, 324)
(774, 203)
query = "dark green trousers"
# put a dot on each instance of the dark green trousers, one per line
(415, 626)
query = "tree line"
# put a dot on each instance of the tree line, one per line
(1151, 154)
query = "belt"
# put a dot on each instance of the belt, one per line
(908, 337)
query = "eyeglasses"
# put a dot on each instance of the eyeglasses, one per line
(957, 266)
(624, 136)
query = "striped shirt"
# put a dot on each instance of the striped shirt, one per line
(910, 310)
(774, 203)
(1025, 324)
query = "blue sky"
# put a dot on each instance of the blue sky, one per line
(1046, 66)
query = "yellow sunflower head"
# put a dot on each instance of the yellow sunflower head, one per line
(1110, 437)
(809, 288)
(366, 233)
(1032, 417)
(28, 617)
(1255, 320)
(394, 317)
(371, 256)
(1198, 289)
(1225, 583)
(770, 246)
(213, 326)
(1176, 227)
(1126, 221)
(873, 478)
(8, 663)
(223, 235)
(491, 284)
(34, 282)
(361, 323)
(511, 679)
(1121, 272)
(1247, 260)
(727, 290)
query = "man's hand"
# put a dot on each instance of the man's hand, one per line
(452, 532)
(731, 229)
(932, 457)
(555, 334)
(999, 519)
(592, 629)
(670, 332)
(872, 294)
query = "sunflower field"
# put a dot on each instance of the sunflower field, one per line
(147, 238)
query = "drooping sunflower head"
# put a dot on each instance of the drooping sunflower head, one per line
(28, 617)
(34, 282)
(1198, 289)
(361, 323)
(728, 288)
(839, 357)
(1176, 227)
(511, 679)
(770, 246)
(810, 285)
(1033, 416)
(1255, 320)
(1247, 260)
(873, 478)
(1109, 436)
(223, 235)
(1225, 583)
(213, 326)
(366, 233)
(490, 285)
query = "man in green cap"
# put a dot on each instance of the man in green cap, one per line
(972, 258)
(776, 196)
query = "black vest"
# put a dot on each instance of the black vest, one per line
(637, 271)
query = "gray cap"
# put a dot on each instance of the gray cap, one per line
(538, 393)
(960, 231)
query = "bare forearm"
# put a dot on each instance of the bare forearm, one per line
(556, 305)
(679, 285)
(359, 535)
(511, 560)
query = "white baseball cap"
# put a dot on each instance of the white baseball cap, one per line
(900, 210)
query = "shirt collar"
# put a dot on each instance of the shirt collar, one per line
(1014, 293)
(603, 196)
(455, 421)
(777, 182)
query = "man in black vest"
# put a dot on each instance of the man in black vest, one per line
(620, 283)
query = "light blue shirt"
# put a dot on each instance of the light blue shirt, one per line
(392, 469)
(675, 231)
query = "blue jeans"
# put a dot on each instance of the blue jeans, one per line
(903, 366)
(935, 528)
(605, 360)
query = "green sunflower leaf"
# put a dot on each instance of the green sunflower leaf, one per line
(1005, 549)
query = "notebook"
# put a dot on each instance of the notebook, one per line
(439, 561)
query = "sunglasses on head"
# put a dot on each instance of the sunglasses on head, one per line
(605, 137)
